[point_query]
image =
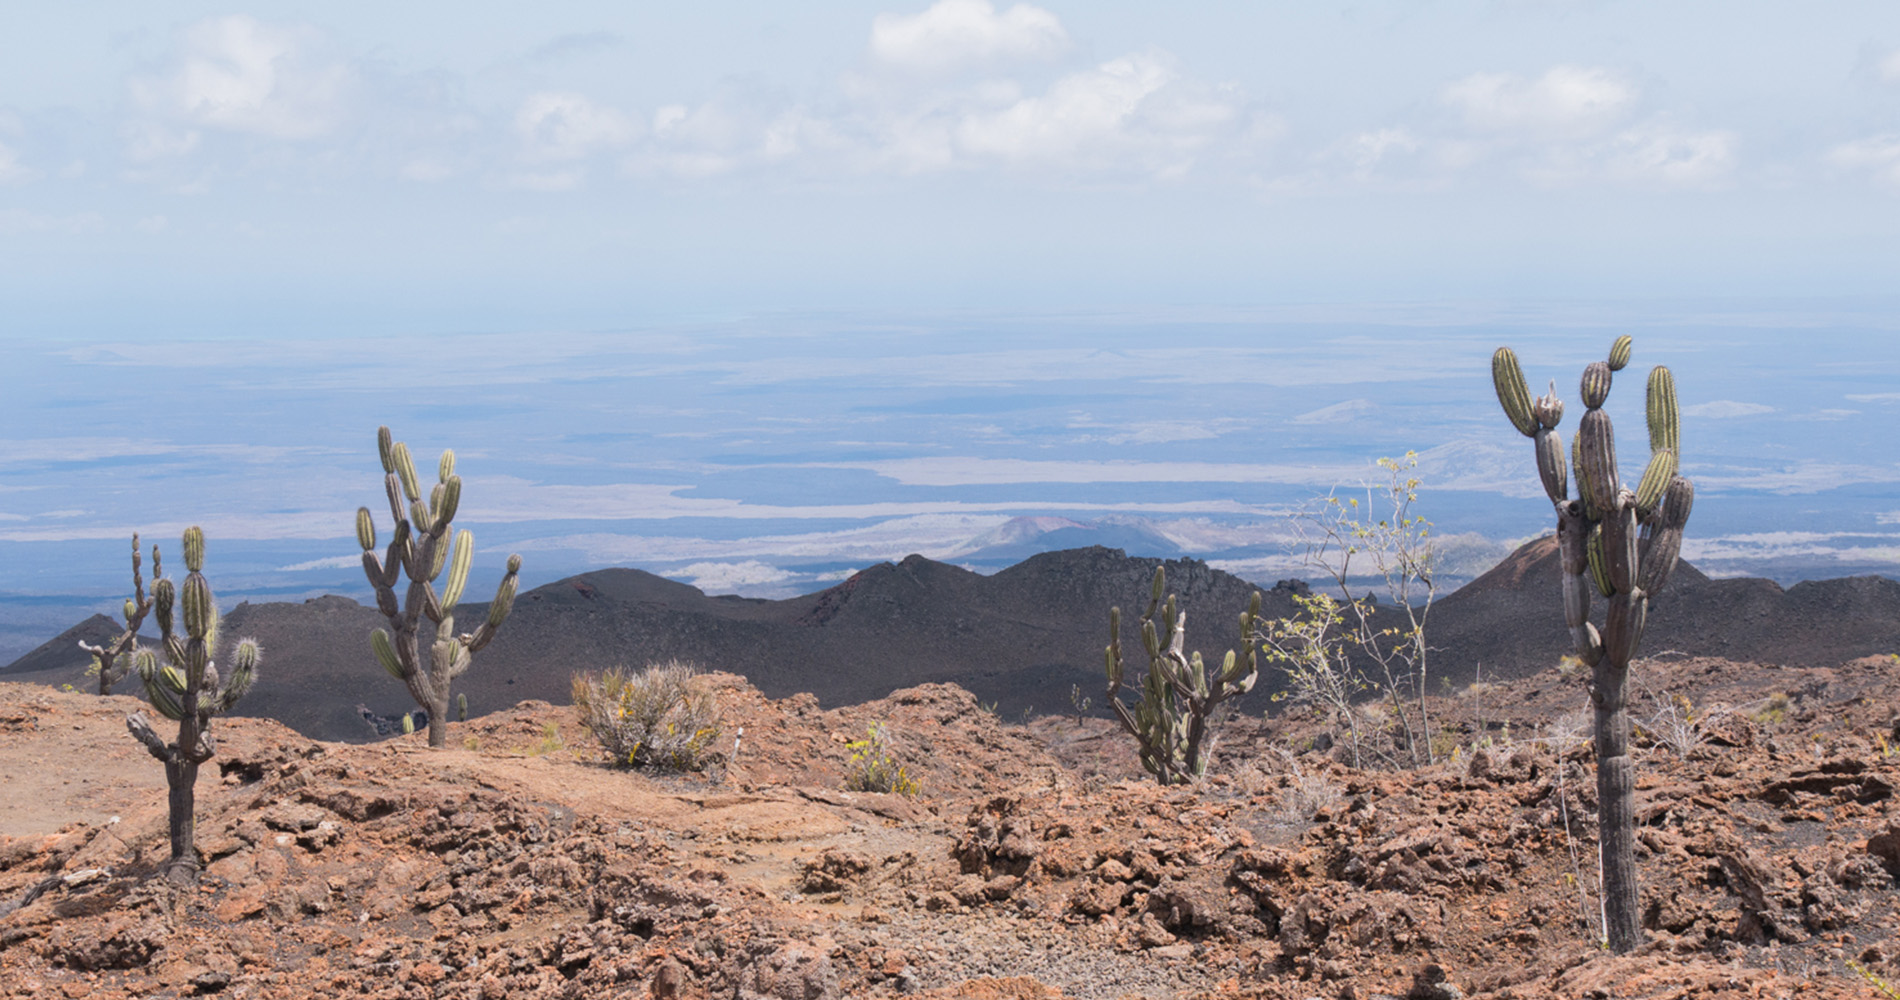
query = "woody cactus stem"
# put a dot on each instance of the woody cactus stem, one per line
(186, 689)
(426, 658)
(113, 660)
(1620, 543)
(1170, 721)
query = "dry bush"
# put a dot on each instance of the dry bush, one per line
(664, 716)
(874, 769)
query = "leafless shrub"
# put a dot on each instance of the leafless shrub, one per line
(664, 716)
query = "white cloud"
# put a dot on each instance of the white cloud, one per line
(1890, 67)
(1567, 101)
(238, 74)
(1661, 156)
(1878, 155)
(328, 562)
(955, 33)
(1725, 408)
(12, 171)
(1874, 397)
(14, 221)
(1347, 410)
(565, 126)
(730, 577)
(1120, 112)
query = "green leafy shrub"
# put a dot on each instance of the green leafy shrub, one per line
(664, 716)
(874, 769)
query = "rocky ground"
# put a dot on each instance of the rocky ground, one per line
(1035, 863)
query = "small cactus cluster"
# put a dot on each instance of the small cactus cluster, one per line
(187, 688)
(427, 659)
(1618, 542)
(1170, 721)
(112, 661)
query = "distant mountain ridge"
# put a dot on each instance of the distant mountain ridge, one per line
(1021, 638)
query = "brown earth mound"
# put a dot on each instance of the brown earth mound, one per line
(1034, 864)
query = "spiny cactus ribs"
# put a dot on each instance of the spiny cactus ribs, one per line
(1169, 722)
(427, 660)
(1622, 544)
(186, 688)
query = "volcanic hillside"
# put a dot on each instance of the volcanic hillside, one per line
(1020, 638)
(1509, 622)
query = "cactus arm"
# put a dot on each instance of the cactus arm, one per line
(141, 728)
(1513, 393)
(1596, 384)
(1596, 455)
(1550, 464)
(498, 609)
(112, 657)
(1620, 353)
(1665, 423)
(422, 549)
(1663, 545)
(1657, 476)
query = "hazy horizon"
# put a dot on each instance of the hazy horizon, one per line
(752, 296)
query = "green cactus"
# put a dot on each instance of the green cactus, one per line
(1169, 722)
(461, 708)
(1622, 544)
(426, 658)
(113, 660)
(187, 689)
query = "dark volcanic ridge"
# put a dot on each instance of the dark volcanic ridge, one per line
(1022, 639)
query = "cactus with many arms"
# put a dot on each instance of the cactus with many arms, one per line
(186, 688)
(1170, 721)
(425, 657)
(113, 660)
(1622, 544)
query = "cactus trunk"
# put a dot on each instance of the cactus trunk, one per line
(425, 657)
(1616, 798)
(189, 690)
(1170, 721)
(1623, 544)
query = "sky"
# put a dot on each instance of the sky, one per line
(751, 294)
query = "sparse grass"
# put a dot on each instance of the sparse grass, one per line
(1774, 710)
(1677, 726)
(874, 768)
(1302, 796)
(664, 716)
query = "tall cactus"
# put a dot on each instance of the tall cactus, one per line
(186, 689)
(113, 661)
(427, 659)
(1620, 543)
(1169, 722)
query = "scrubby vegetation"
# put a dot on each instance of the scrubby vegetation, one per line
(664, 716)
(874, 767)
